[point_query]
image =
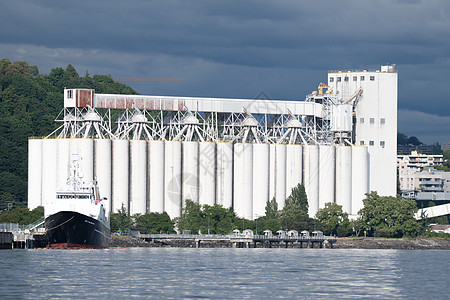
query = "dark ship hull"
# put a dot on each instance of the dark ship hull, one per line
(68, 229)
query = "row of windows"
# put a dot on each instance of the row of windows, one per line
(372, 143)
(372, 121)
(355, 78)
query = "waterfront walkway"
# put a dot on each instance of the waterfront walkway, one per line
(244, 241)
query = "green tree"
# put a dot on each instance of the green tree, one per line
(298, 197)
(333, 220)
(294, 217)
(389, 216)
(266, 223)
(22, 215)
(191, 217)
(272, 208)
(199, 218)
(121, 221)
(154, 223)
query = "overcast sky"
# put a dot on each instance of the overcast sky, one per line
(242, 48)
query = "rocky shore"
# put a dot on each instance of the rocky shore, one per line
(342, 243)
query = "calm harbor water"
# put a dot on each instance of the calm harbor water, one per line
(224, 273)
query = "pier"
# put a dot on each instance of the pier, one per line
(241, 241)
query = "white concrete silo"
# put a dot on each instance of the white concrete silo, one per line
(207, 173)
(327, 166)
(156, 175)
(62, 162)
(311, 177)
(360, 177)
(294, 157)
(49, 151)
(103, 169)
(224, 178)
(34, 173)
(280, 175)
(172, 178)
(344, 177)
(138, 177)
(190, 185)
(85, 150)
(272, 172)
(260, 179)
(243, 180)
(120, 174)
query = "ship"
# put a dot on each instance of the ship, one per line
(77, 218)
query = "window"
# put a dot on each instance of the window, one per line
(339, 79)
(382, 121)
(382, 143)
(371, 143)
(372, 120)
(362, 78)
(345, 78)
(355, 78)
(361, 120)
(372, 78)
(361, 143)
(69, 94)
(331, 79)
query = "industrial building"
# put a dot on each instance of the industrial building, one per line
(152, 153)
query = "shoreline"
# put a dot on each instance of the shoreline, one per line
(341, 243)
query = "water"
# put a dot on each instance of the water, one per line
(176, 273)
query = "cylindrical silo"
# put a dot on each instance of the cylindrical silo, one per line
(48, 171)
(156, 174)
(260, 179)
(62, 162)
(120, 174)
(344, 177)
(247, 181)
(34, 173)
(327, 165)
(172, 178)
(280, 174)
(360, 177)
(224, 175)
(138, 177)
(238, 168)
(190, 185)
(103, 169)
(311, 177)
(294, 157)
(272, 172)
(243, 180)
(85, 153)
(207, 173)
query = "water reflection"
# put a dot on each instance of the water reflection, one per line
(223, 273)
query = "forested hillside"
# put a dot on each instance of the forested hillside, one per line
(29, 104)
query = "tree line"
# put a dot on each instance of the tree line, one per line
(381, 216)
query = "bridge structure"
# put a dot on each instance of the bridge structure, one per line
(244, 241)
(434, 211)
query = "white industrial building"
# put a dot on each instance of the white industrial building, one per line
(152, 153)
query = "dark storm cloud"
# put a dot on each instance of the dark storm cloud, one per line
(239, 48)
